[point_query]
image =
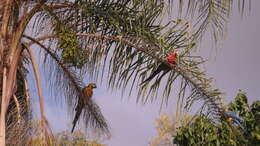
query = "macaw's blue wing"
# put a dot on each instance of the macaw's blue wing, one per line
(235, 118)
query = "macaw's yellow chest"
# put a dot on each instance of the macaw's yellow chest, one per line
(88, 92)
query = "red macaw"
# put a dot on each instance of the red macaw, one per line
(163, 67)
(87, 92)
(172, 58)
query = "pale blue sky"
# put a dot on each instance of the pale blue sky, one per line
(236, 66)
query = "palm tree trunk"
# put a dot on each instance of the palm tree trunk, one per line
(10, 36)
(9, 80)
(3, 109)
(4, 103)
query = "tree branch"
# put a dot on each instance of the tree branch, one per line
(5, 20)
(18, 109)
(26, 91)
(42, 38)
(21, 27)
(57, 6)
(44, 122)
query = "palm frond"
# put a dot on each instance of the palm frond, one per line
(119, 33)
(66, 80)
(209, 15)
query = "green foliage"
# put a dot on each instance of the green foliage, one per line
(65, 138)
(204, 131)
(72, 53)
(75, 139)
(250, 115)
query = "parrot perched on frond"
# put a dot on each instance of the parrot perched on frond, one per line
(87, 93)
(234, 118)
(163, 67)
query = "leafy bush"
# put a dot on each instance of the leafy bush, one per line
(204, 131)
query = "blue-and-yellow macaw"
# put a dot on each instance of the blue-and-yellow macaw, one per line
(234, 118)
(87, 92)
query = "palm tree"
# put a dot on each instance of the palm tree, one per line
(122, 39)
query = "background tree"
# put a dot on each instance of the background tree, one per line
(124, 40)
(78, 138)
(63, 138)
(204, 131)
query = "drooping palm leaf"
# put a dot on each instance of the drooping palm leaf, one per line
(66, 80)
(209, 15)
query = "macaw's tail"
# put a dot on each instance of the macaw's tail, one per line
(162, 67)
(76, 118)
